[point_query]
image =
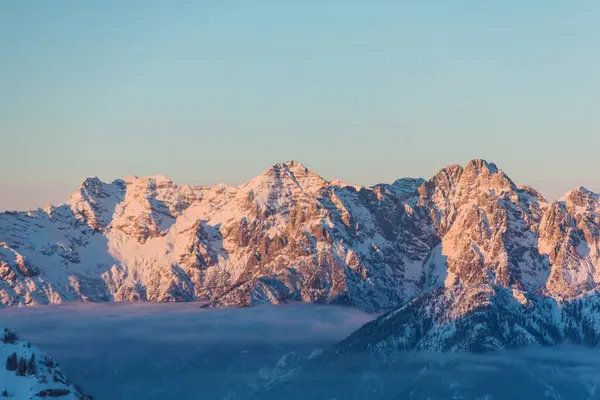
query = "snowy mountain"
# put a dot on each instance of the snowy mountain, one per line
(290, 235)
(285, 235)
(477, 319)
(28, 373)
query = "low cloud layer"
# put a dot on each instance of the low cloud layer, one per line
(157, 351)
(168, 322)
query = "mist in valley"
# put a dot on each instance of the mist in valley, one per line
(181, 350)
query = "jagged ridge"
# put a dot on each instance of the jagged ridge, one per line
(290, 235)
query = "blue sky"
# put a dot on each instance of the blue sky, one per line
(207, 92)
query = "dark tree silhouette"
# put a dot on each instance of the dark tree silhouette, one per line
(31, 367)
(11, 362)
(9, 337)
(22, 367)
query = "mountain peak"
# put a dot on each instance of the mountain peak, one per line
(289, 168)
(91, 181)
(479, 165)
(489, 174)
(447, 176)
(158, 179)
(579, 194)
(285, 174)
(291, 165)
(583, 190)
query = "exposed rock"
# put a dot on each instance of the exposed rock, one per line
(290, 235)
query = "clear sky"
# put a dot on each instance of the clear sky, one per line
(366, 91)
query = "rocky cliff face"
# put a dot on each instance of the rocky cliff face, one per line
(290, 235)
(286, 235)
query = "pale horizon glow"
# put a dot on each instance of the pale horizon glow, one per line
(208, 93)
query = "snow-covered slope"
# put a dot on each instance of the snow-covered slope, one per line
(477, 319)
(289, 234)
(28, 373)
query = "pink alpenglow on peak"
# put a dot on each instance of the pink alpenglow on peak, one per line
(290, 235)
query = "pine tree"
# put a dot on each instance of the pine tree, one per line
(22, 367)
(31, 367)
(11, 362)
(9, 337)
(48, 362)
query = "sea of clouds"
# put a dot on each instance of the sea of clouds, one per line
(176, 350)
(152, 351)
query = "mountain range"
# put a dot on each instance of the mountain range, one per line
(465, 246)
